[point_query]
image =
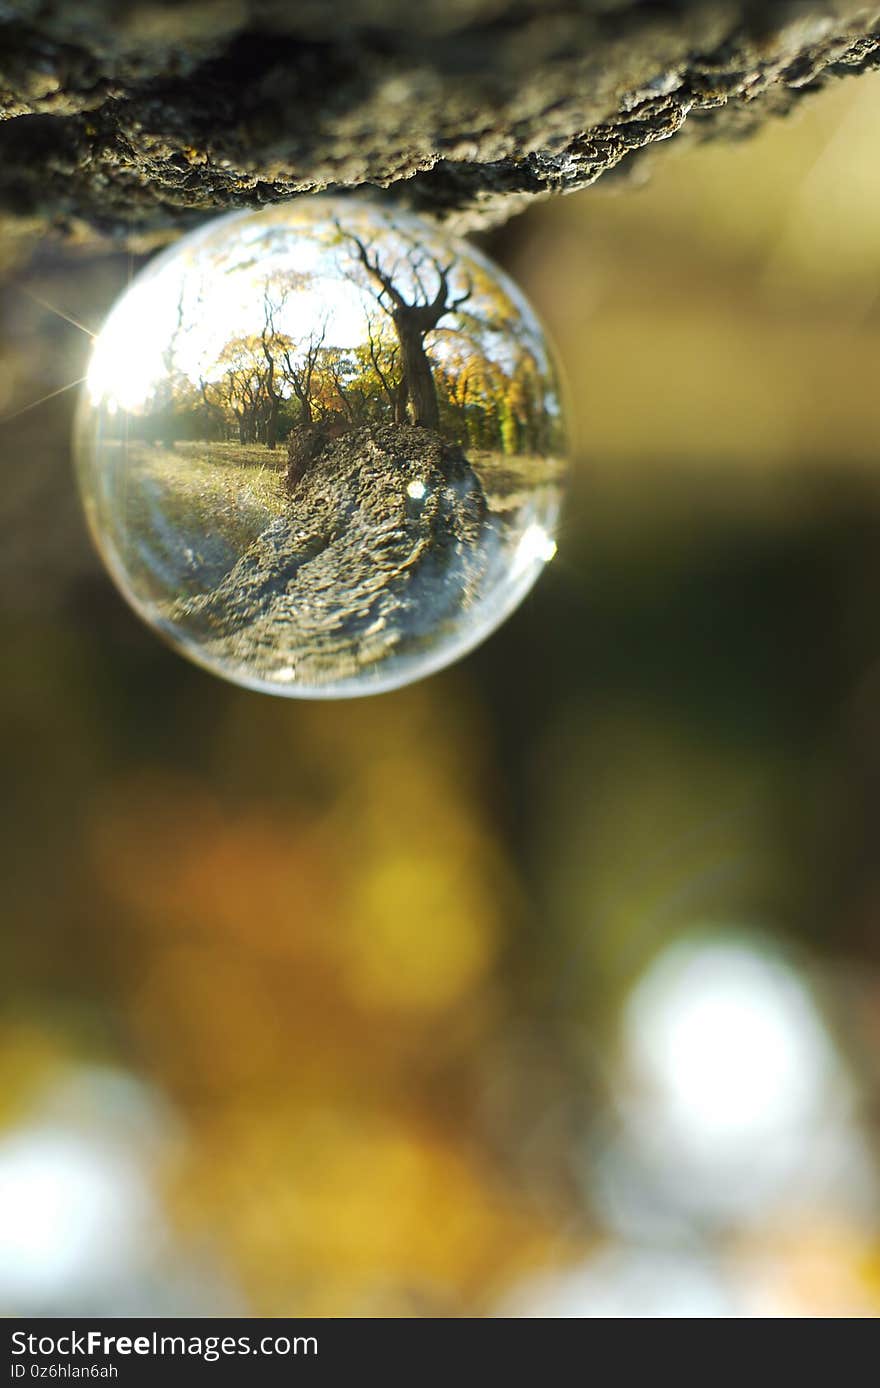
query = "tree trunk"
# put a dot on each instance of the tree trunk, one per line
(272, 426)
(417, 384)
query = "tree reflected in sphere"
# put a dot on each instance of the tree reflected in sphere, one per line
(321, 446)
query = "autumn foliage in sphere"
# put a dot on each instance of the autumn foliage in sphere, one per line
(320, 447)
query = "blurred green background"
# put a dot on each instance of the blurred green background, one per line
(550, 986)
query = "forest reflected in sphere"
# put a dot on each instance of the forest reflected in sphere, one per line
(321, 447)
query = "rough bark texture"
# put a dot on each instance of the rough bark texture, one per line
(135, 117)
(358, 565)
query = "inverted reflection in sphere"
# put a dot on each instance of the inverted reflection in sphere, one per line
(320, 447)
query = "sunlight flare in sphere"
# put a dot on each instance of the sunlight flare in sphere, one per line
(321, 447)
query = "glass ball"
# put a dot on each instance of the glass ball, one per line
(320, 447)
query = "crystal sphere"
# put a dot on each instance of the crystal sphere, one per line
(320, 447)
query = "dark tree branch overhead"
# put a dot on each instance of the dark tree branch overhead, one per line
(129, 117)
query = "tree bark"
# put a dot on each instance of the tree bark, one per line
(418, 378)
(137, 118)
